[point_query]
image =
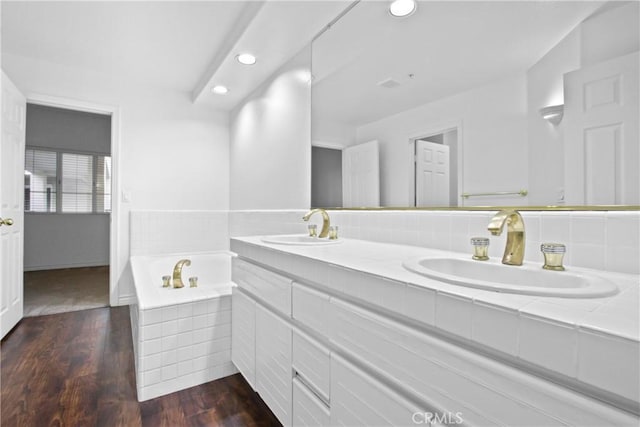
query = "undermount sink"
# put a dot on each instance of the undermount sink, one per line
(299, 239)
(526, 279)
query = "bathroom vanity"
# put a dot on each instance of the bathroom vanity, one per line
(344, 335)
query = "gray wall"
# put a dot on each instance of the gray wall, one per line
(326, 177)
(66, 240)
(60, 129)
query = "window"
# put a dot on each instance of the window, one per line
(67, 182)
(40, 181)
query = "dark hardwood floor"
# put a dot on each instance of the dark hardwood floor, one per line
(77, 369)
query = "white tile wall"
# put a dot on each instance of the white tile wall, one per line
(601, 240)
(255, 223)
(607, 241)
(170, 232)
(181, 346)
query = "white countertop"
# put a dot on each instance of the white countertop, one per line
(575, 337)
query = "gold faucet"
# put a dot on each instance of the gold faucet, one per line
(514, 250)
(325, 221)
(177, 273)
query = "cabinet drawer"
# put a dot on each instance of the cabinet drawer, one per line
(312, 361)
(308, 410)
(272, 288)
(311, 308)
(486, 392)
(360, 400)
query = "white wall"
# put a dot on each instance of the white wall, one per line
(174, 155)
(610, 34)
(546, 148)
(270, 149)
(606, 35)
(493, 140)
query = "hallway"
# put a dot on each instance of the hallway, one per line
(64, 290)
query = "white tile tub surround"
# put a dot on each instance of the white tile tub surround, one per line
(181, 346)
(181, 337)
(559, 335)
(169, 232)
(607, 241)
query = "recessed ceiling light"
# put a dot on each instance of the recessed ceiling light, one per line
(400, 8)
(220, 90)
(246, 59)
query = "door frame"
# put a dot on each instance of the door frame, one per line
(114, 227)
(431, 130)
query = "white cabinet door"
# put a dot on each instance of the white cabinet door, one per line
(359, 400)
(243, 335)
(11, 205)
(273, 363)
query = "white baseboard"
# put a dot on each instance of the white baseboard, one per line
(126, 300)
(62, 266)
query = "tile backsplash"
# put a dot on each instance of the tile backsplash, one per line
(600, 240)
(170, 232)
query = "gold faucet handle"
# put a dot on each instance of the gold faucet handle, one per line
(480, 248)
(166, 281)
(553, 256)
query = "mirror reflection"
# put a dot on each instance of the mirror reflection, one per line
(477, 103)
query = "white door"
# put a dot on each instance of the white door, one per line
(11, 204)
(432, 174)
(361, 175)
(601, 133)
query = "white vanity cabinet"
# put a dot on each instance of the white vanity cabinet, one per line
(319, 356)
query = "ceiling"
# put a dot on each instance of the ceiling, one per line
(179, 45)
(447, 46)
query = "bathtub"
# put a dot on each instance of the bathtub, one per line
(181, 337)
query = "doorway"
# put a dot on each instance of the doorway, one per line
(435, 160)
(67, 202)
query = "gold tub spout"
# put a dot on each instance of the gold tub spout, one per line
(325, 221)
(177, 272)
(514, 249)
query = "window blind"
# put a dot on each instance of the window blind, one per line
(40, 181)
(67, 182)
(77, 183)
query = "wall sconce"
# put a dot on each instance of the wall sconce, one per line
(553, 113)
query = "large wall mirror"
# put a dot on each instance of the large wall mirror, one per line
(479, 103)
